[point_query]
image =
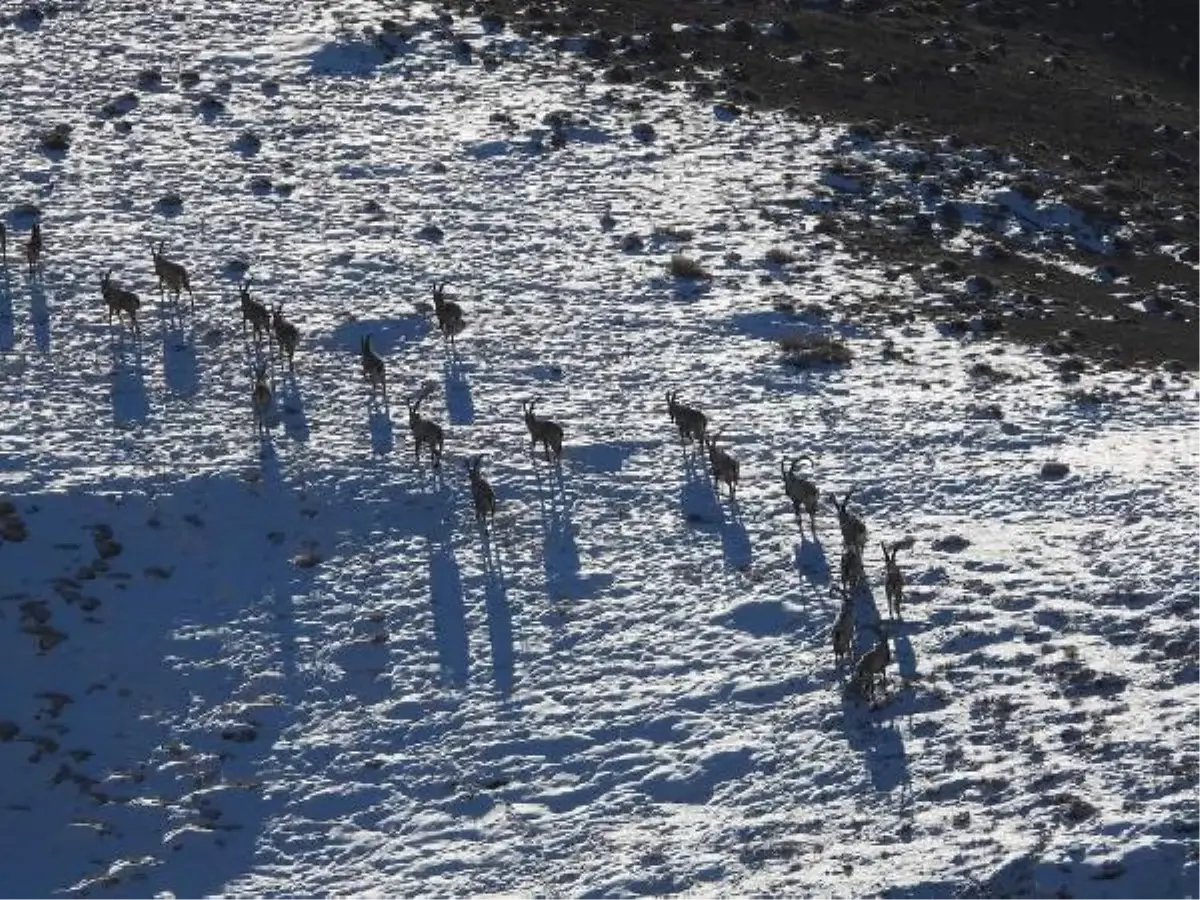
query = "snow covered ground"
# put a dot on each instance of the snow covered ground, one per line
(295, 667)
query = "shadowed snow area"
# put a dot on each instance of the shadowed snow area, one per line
(294, 666)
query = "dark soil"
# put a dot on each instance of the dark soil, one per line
(1099, 92)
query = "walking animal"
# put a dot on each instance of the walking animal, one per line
(482, 494)
(373, 368)
(893, 581)
(286, 334)
(424, 431)
(692, 424)
(842, 634)
(724, 467)
(803, 493)
(543, 431)
(120, 301)
(261, 398)
(449, 314)
(172, 276)
(873, 664)
(854, 530)
(33, 248)
(852, 570)
(256, 313)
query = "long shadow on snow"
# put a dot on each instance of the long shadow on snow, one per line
(499, 616)
(40, 314)
(291, 405)
(703, 507)
(449, 611)
(180, 368)
(385, 334)
(379, 420)
(460, 407)
(8, 334)
(560, 554)
(879, 742)
(811, 563)
(128, 394)
(607, 458)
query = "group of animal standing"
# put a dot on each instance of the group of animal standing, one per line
(870, 669)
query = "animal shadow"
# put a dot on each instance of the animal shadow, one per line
(499, 618)
(40, 313)
(8, 334)
(383, 435)
(129, 401)
(811, 563)
(449, 612)
(735, 542)
(460, 407)
(291, 404)
(180, 368)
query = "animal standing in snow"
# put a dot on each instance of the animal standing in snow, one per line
(286, 334)
(543, 431)
(842, 634)
(893, 581)
(724, 467)
(803, 493)
(373, 368)
(33, 248)
(256, 313)
(449, 314)
(172, 276)
(692, 424)
(261, 398)
(482, 494)
(852, 571)
(424, 431)
(120, 301)
(873, 664)
(854, 530)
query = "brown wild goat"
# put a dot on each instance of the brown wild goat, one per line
(256, 313)
(424, 431)
(873, 664)
(449, 314)
(172, 276)
(543, 431)
(804, 495)
(692, 424)
(852, 570)
(261, 398)
(842, 634)
(724, 467)
(894, 581)
(33, 248)
(286, 334)
(482, 494)
(120, 301)
(854, 530)
(373, 368)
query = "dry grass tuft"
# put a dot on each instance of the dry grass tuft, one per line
(807, 350)
(685, 267)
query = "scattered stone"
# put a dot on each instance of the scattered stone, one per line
(643, 131)
(240, 733)
(1052, 469)
(951, 543)
(980, 286)
(57, 139)
(431, 233)
(306, 558)
(632, 243)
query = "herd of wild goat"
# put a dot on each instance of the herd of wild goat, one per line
(269, 325)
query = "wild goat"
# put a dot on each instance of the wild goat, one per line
(172, 276)
(843, 631)
(894, 581)
(287, 334)
(373, 369)
(449, 314)
(543, 431)
(481, 493)
(261, 398)
(852, 570)
(803, 493)
(854, 530)
(33, 249)
(692, 424)
(873, 663)
(256, 313)
(120, 301)
(424, 431)
(724, 467)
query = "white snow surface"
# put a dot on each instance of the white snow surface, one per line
(629, 688)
